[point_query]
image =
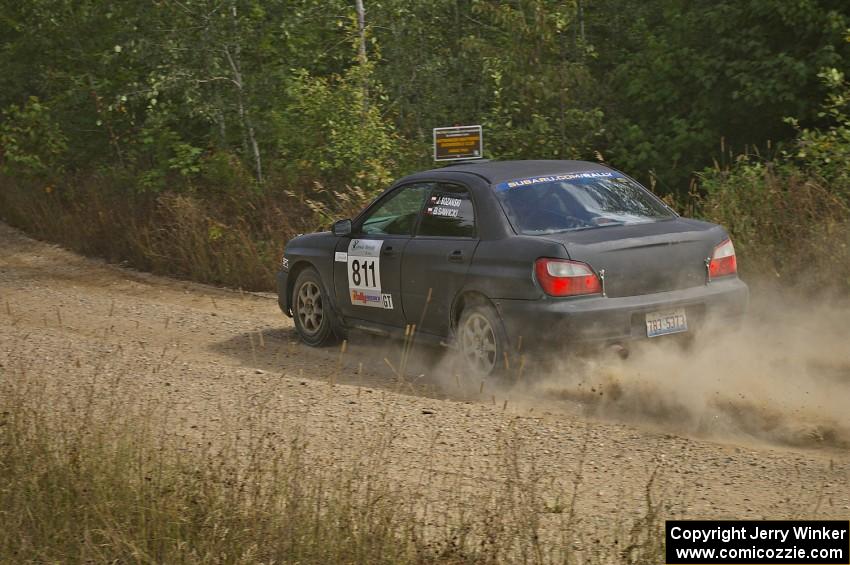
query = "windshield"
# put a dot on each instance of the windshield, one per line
(572, 201)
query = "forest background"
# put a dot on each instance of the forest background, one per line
(194, 137)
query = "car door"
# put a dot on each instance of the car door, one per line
(367, 265)
(437, 259)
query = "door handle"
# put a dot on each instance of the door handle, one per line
(388, 250)
(456, 256)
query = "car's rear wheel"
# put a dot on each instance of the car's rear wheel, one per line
(311, 310)
(482, 341)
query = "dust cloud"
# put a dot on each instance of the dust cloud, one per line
(782, 376)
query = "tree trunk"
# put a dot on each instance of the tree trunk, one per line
(235, 63)
(247, 126)
(361, 51)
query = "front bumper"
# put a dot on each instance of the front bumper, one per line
(282, 293)
(604, 319)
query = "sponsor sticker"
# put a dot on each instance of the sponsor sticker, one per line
(372, 298)
(519, 183)
(365, 247)
(341, 256)
(366, 298)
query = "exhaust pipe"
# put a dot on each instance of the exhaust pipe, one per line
(619, 350)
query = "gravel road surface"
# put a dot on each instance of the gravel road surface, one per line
(205, 356)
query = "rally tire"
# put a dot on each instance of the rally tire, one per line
(482, 342)
(312, 311)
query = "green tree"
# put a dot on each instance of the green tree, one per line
(516, 67)
(31, 143)
(676, 77)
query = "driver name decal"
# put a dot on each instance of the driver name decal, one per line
(443, 206)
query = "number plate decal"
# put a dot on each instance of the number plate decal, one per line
(668, 322)
(364, 273)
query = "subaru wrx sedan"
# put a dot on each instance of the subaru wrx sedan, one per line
(495, 257)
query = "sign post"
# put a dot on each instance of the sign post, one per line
(458, 143)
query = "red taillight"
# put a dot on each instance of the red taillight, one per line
(560, 277)
(723, 260)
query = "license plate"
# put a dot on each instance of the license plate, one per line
(667, 322)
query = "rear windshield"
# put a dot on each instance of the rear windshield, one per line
(574, 201)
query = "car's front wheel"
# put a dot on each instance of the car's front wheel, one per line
(311, 309)
(482, 341)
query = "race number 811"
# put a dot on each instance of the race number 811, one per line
(362, 273)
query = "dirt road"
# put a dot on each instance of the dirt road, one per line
(208, 355)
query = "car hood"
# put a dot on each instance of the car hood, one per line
(645, 258)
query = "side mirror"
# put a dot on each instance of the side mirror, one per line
(341, 227)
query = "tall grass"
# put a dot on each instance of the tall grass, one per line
(233, 239)
(89, 473)
(789, 224)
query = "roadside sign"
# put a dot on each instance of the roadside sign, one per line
(456, 143)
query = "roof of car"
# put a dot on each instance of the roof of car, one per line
(501, 171)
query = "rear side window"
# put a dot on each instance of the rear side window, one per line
(448, 212)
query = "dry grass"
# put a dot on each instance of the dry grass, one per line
(787, 225)
(89, 473)
(235, 240)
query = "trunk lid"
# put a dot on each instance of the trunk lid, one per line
(646, 258)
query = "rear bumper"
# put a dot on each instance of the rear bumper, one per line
(603, 319)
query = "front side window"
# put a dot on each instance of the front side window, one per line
(397, 213)
(448, 212)
(572, 201)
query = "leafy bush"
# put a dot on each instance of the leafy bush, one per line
(31, 143)
(334, 135)
(790, 216)
(785, 223)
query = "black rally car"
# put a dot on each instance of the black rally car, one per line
(488, 255)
